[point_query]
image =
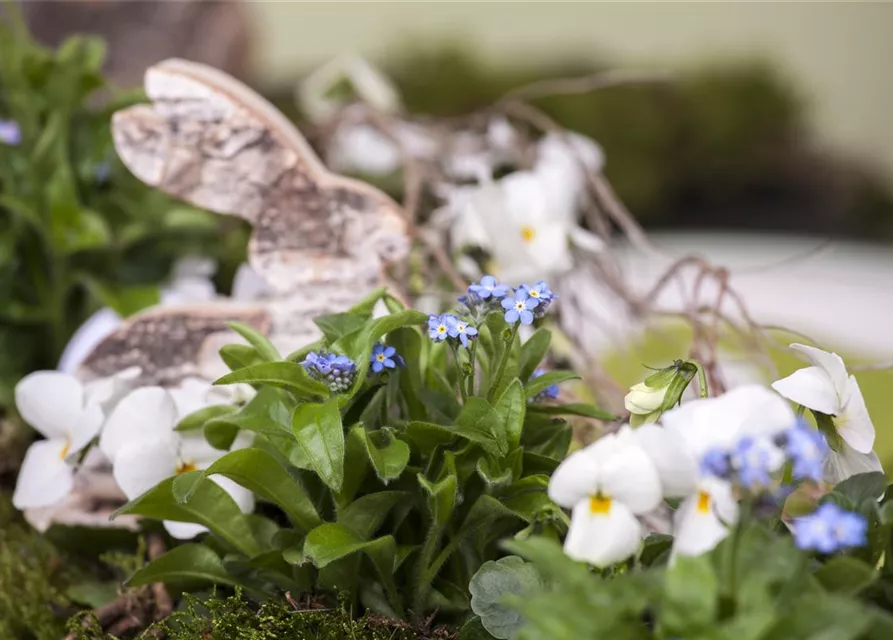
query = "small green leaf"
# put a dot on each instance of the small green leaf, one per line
(510, 408)
(185, 485)
(388, 455)
(492, 583)
(427, 435)
(441, 497)
(365, 515)
(320, 435)
(256, 339)
(185, 562)
(239, 356)
(845, 575)
(197, 419)
(479, 422)
(535, 385)
(574, 409)
(337, 325)
(690, 598)
(862, 486)
(286, 375)
(533, 351)
(220, 434)
(262, 474)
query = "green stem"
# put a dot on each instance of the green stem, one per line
(702, 379)
(423, 581)
(472, 357)
(460, 376)
(503, 361)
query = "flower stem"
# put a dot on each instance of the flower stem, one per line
(472, 357)
(503, 361)
(702, 379)
(460, 376)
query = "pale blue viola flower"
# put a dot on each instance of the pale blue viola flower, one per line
(489, 286)
(830, 528)
(439, 326)
(519, 307)
(457, 328)
(807, 449)
(383, 357)
(10, 133)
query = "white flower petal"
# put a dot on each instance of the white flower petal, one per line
(45, 478)
(602, 539)
(183, 530)
(84, 428)
(853, 422)
(575, 479)
(140, 466)
(242, 496)
(94, 330)
(677, 469)
(196, 450)
(50, 401)
(831, 363)
(587, 241)
(848, 462)
(701, 521)
(107, 391)
(144, 415)
(629, 476)
(642, 399)
(811, 387)
(191, 395)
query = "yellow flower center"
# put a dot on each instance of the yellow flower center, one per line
(520, 306)
(704, 502)
(460, 327)
(533, 293)
(185, 466)
(441, 329)
(528, 233)
(380, 357)
(64, 453)
(599, 505)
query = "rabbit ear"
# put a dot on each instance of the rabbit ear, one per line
(169, 344)
(210, 140)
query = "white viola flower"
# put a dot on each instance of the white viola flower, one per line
(95, 329)
(689, 432)
(106, 392)
(56, 405)
(606, 485)
(826, 387)
(140, 440)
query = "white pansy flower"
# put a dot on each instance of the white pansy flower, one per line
(606, 485)
(827, 387)
(56, 405)
(140, 440)
(679, 446)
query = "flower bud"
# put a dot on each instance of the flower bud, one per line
(659, 392)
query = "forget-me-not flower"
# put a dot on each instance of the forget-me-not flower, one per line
(519, 307)
(489, 286)
(715, 462)
(336, 371)
(807, 449)
(830, 528)
(383, 357)
(457, 328)
(10, 133)
(439, 326)
(755, 459)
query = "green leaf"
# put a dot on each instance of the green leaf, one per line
(546, 436)
(185, 485)
(256, 339)
(574, 409)
(286, 375)
(220, 434)
(388, 455)
(93, 593)
(690, 595)
(365, 515)
(474, 630)
(185, 562)
(862, 486)
(441, 497)
(845, 575)
(197, 419)
(209, 506)
(262, 474)
(489, 586)
(239, 356)
(549, 378)
(427, 435)
(266, 413)
(510, 408)
(337, 325)
(320, 435)
(533, 351)
(824, 617)
(479, 422)
(365, 306)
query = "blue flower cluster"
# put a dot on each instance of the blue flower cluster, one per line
(337, 371)
(384, 357)
(446, 325)
(522, 304)
(10, 133)
(753, 460)
(549, 393)
(830, 528)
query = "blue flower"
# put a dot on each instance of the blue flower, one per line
(383, 357)
(489, 286)
(10, 133)
(830, 528)
(716, 463)
(755, 459)
(337, 371)
(540, 291)
(460, 329)
(807, 449)
(549, 393)
(439, 326)
(519, 307)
